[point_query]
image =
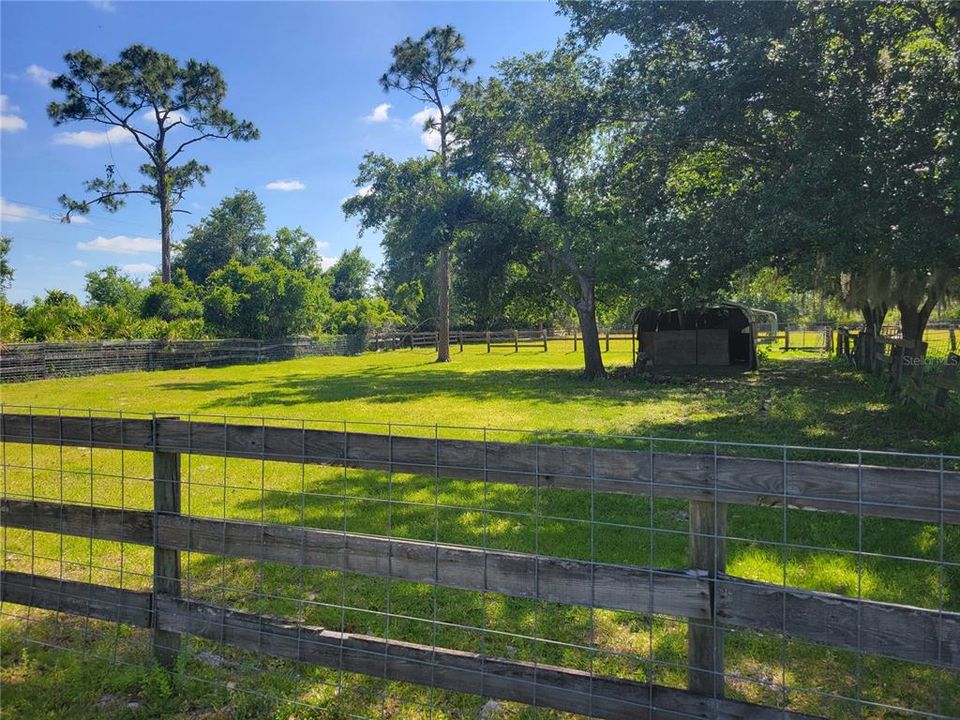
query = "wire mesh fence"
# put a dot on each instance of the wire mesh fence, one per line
(365, 570)
(21, 362)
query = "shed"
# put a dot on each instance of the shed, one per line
(720, 335)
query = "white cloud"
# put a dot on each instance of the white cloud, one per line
(40, 75)
(92, 138)
(138, 268)
(327, 262)
(429, 136)
(362, 192)
(9, 120)
(173, 117)
(12, 123)
(77, 263)
(104, 5)
(381, 113)
(287, 185)
(12, 212)
(77, 220)
(122, 244)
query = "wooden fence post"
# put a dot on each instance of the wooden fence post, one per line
(460, 339)
(574, 339)
(166, 563)
(545, 341)
(516, 341)
(786, 338)
(953, 339)
(488, 341)
(707, 552)
(608, 341)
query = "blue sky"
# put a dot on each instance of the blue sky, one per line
(304, 72)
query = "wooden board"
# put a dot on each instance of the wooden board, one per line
(534, 684)
(571, 582)
(713, 347)
(670, 347)
(899, 631)
(903, 493)
(94, 601)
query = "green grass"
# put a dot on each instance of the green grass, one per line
(812, 402)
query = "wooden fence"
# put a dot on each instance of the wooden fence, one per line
(516, 339)
(703, 595)
(930, 382)
(36, 361)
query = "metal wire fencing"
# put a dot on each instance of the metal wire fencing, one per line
(364, 570)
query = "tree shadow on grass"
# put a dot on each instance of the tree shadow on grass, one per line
(810, 402)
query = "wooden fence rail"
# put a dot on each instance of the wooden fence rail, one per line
(36, 361)
(905, 493)
(703, 594)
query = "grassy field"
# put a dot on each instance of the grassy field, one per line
(810, 400)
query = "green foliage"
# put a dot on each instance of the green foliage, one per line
(364, 316)
(406, 300)
(58, 316)
(6, 269)
(234, 229)
(263, 300)
(819, 138)
(536, 136)
(427, 70)
(11, 323)
(297, 249)
(177, 301)
(109, 287)
(349, 276)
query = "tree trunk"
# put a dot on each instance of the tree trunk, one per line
(443, 305)
(913, 322)
(166, 220)
(587, 313)
(873, 317)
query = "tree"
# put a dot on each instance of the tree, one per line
(264, 300)
(6, 269)
(57, 316)
(536, 134)
(349, 275)
(177, 300)
(418, 209)
(842, 116)
(110, 287)
(427, 69)
(350, 317)
(296, 249)
(236, 228)
(149, 96)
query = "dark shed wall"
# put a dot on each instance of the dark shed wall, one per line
(705, 336)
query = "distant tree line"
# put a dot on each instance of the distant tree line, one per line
(229, 278)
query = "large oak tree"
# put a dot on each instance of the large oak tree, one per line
(833, 130)
(537, 134)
